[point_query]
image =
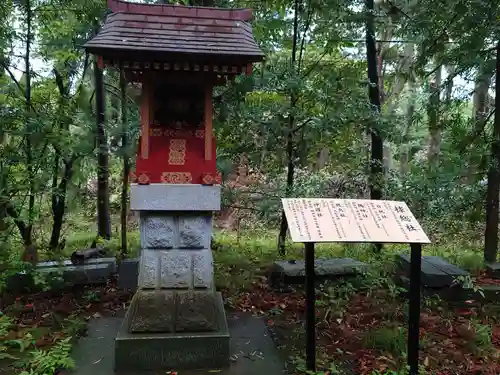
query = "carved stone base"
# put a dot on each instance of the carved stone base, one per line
(177, 350)
(174, 311)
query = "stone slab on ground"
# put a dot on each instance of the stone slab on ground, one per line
(128, 273)
(484, 293)
(436, 272)
(293, 272)
(94, 271)
(252, 350)
(493, 270)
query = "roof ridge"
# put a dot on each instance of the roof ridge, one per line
(236, 14)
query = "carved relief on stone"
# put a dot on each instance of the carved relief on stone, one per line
(176, 269)
(149, 269)
(202, 269)
(177, 152)
(194, 232)
(157, 232)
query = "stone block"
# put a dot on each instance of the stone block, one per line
(135, 352)
(203, 269)
(176, 269)
(435, 271)
(152, 311)
(196, 311)
(81, 275)
(149, 269)
(157, 231)
(174, 197)
(493, 270)
(293, 271)
(195, 231)
(128, 274)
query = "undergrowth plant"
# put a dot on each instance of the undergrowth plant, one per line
(51, 361)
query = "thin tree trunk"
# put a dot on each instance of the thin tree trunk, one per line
(126, 164)
(290, 132)
(28, 235)
(59, 208)
(404, 148)
(377, 143)
(433, 111)
(103, 219)
(480, 110)
(377, 146)
(493, 189)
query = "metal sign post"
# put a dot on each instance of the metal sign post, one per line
(314, 220)
(310, 307)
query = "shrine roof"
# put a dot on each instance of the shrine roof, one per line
(175, 29)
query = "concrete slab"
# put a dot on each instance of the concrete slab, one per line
(252, 350)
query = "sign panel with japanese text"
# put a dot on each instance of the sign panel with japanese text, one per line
(351, 220)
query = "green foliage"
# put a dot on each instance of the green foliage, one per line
(48, 362)
(390, 339)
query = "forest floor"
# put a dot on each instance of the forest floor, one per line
(361, 322)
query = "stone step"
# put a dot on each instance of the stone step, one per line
(436, 272)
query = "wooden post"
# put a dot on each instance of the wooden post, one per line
(145, 118)
(208, 122)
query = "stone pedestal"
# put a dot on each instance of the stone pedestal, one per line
(175, 312)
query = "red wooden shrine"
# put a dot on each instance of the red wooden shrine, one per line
(178, 54)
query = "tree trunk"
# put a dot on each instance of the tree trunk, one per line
(377, 145)
(434, 121)
(28, 239)
(480, 111)
(103, 219)
(404, 147)
(493, 189)
(59, 204)
(290, 133)
(126, 165)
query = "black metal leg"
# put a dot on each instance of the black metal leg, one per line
(414, 308)
(310, 308)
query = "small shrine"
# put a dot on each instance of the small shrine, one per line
(178, 54)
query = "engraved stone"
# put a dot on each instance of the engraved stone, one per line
(176, 271)
(196, 312)
(149, 269)
(153, 311)
(202, 269)
(157, 232)
(193, 231)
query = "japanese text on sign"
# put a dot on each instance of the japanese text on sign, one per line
(351, 220)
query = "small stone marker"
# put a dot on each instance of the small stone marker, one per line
(436, 272)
